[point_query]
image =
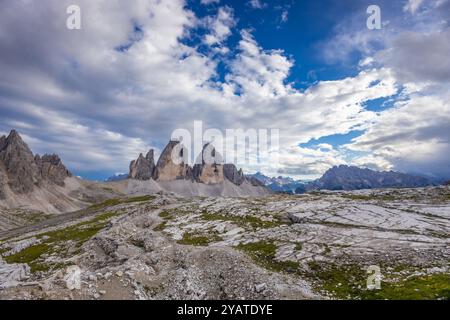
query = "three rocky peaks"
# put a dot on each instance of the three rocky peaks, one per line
(168, 169)
(21, 171)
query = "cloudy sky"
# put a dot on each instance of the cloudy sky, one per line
(338, 92)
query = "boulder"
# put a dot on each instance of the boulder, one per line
(12, 274)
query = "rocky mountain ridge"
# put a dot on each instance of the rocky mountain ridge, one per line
(345, 178)
(171, 166)
(353, 178)
(21, 171)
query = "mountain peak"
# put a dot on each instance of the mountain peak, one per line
(344, 177)
(23, 169)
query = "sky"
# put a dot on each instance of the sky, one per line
(339, 92)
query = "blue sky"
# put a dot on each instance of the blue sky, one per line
(338, 92)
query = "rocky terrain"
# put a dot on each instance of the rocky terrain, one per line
(165, 246)
(175, 231)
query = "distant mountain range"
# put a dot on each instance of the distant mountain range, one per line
(117, 177)
(279, 184)
(346, 178)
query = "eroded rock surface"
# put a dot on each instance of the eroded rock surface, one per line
(316, 245)
(172, 164)
(143, 168)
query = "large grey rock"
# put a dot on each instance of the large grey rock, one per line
(3, 183)
(143, 168)
(23, 173)
(232, 174)
(2, 142)
(12, 274)
(209, 167)
(22, 170)
(172, 164)
(52, 168)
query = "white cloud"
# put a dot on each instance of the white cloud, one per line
(70, 92)
(220, 26)
(257, 4)
(284, 16)
(206, 2)
(413, 136)
(412, 6)
(259, 72)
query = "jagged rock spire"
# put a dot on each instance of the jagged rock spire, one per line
(172, 163)
(23, 170)
(143, 168)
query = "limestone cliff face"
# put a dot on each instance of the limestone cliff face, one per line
(52, 169)
(232, 174)
(3, 183)
(143, 168)
(210, 171)
(172, 165)
(18, 161)
(22, 171)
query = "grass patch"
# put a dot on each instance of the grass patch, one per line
(165, 214)
(55, 241)
(161, 226)
(350, 282)
(198, 240)
(252, 221)
(361, 197)
(263, 253)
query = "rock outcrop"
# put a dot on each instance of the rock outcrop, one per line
(143, 168)
(2, 184)
(12, 274)
(209, 170)
(22, 171)
(18, 161)
(52, 169)
(232, 174)
(172, 164)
